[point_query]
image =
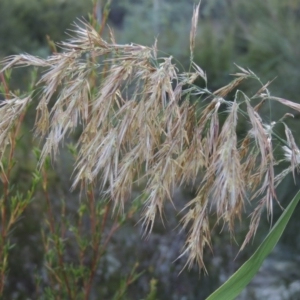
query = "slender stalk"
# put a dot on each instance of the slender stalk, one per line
(6, 225)
(96, 238)
(51, 219)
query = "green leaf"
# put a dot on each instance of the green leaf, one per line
(240, 279)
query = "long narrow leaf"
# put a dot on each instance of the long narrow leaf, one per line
(241, 278)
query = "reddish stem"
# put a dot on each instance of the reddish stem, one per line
(56, 242)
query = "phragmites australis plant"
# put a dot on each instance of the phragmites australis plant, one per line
(147, 120)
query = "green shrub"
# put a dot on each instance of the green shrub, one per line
(128, 116)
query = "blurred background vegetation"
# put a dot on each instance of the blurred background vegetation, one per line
(263, 36)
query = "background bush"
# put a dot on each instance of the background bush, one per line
(262, 36)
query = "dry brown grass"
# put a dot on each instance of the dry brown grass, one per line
(141, 123)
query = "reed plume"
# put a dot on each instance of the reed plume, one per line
(145, 119)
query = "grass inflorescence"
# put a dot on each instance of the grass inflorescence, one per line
(145, 119)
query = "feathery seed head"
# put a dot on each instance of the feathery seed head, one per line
(143, 120)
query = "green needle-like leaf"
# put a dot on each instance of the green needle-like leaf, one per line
(241, 278)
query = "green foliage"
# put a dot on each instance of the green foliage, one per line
(168, 21)
(242, 277)
(25, 24)
(261, 35)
